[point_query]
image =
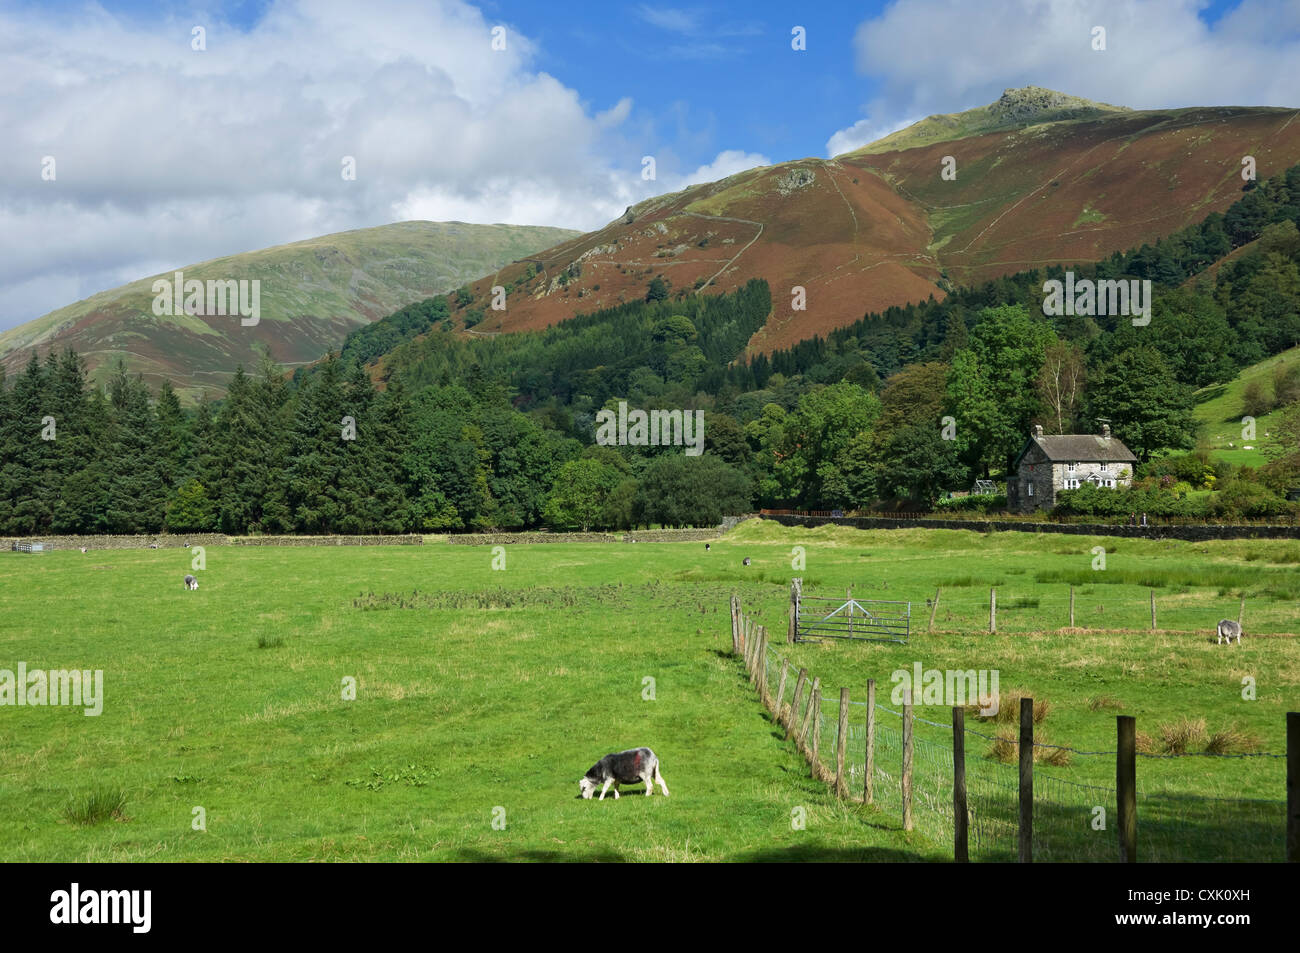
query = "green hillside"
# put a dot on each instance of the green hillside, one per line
(313, 293)
(1220, 408)
(1016, 108)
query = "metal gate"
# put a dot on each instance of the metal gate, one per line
(849, 618)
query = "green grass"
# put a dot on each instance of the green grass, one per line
(479, 690)
(1219, 410)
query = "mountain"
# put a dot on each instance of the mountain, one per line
(312, 294)
(1040, 178)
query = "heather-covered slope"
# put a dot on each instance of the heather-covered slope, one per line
(1041, 178)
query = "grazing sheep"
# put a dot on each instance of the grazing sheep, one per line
(706, 547)
(191, 582)
(1227, 629)
(745, 561)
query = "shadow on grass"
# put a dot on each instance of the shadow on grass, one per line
(813, 853)
(540, 857)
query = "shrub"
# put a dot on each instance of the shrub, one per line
(1256, 401)
(1286, 384)
(1243, 499)
(976, 503)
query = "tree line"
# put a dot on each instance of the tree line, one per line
(463, 433)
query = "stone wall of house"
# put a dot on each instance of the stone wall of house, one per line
(1048, 478)
(1036, 470)
(1121, 473)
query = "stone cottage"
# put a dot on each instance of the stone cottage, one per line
(1047, 464)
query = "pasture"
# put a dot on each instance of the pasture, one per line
(482, 695)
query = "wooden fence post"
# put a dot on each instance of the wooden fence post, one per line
(993, 610)
(960, 819)
(1072, 607)
(815, 709)
(1153, 608)
(871, 741)
(848, 597)
(735, 624)
(1126, 787)
(1026, 780)
(934, 607)
(841, 740)
(780, 690)
(760, 664)
(907, 759)
(1293, 787)
(802, 738)
(794, 703)
(796, 592)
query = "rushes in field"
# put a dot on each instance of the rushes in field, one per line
(1231, 740)
(96, 807)
(1105, 703)
(1006, 749)
(1009, 708)
(1186, 734)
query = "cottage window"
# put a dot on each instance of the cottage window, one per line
(1105, 467)
(1029, 489)
(1069, 468)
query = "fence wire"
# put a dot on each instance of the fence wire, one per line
(1072, 821)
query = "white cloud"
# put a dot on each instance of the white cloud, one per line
(727, 162)
(668, 18)
(166, 155)
(934, 56)
(861, 133)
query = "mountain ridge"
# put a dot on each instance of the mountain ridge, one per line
(312, 293)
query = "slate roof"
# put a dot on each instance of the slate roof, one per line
(1080, 448)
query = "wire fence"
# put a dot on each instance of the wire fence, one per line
(1071, 821)
(1108, 606)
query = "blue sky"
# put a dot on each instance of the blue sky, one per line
(168, 155)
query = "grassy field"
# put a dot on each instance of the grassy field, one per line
(485, 694)
(1220, 407)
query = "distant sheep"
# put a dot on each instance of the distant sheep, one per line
(191, 582)
(745, 561)
(1228, 629)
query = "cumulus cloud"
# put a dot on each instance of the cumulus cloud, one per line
(932, 56)
(863, 132)
(728, 162)
(164, 155)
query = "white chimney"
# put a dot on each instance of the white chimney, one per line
(1105, 431)
(1038, 430)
